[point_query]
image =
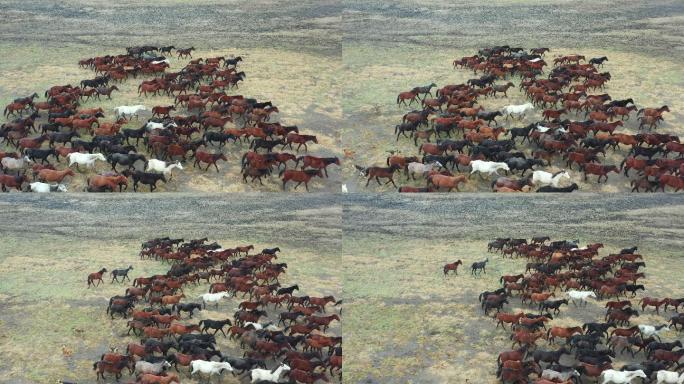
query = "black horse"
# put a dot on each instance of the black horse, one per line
(166, 49)
(244, 364)
(42, 154)
(128, 159)
(216, 325)
(220, 137)
(287, 290)
(146, 178)
(62, 137)
(270, 251)
(598, 60)
(123, 272)
(567, 189)
(186, 307)
(552, 304)
(480, 266)
(232, 62)
(137, 134)
(268, 144)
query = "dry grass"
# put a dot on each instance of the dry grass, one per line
(406, 323)
(301, 84)
(44, 302)
(379, 73)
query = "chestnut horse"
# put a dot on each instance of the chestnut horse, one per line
(452, 267)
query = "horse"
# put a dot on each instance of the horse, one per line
(123, 272)
(162, 167)
(96, 276)
(378, 172)
(150, 179)
(452, 267)
(489, 167)
(443, 181)
(617, 377)
(209, 158)
(653, 302)
(572, 187)
(86, 159)
(216, 325)
(210, 367)
(47, 188)
(518, 111)
(299, 176)
(128, 110)
(317, 162)
(581, 296)
(598, 169)
(543, 178)
(479, 267)
(266, 375)
(212, 298)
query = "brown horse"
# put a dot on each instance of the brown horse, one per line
(299, 176)
(651, 302)
(100, 183)
(564, 332)
(48, 175)
(208, 158)
(403, 96)
(509, 318)
(598, 169)
(317, 162)
(96, 276)
(452, 267)
(449, 182)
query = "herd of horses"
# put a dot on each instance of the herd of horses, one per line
(164, 143)
(290, 345)
(560, 274)
(580, 126)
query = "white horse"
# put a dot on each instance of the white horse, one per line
(618, 377)
(161, 61)
(13, 164)
(582, 296)
(561, 376)
(151, 125)
(650, 330)
(153, 368)
(422, 169)
(209, 367)
(543, 129)
(518, 111)
(490, 167)
(258, 374)
(541, 178)
(259, 326)
(46, 188)
(668, 377)
(162, 167)
(87, 159)
(213, 298)
(129, 110)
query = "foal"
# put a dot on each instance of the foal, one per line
(96, 276)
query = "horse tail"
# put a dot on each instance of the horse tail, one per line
(398, 98)
(501, 279)
(95, 365)
(280, 174)
(548, 332)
